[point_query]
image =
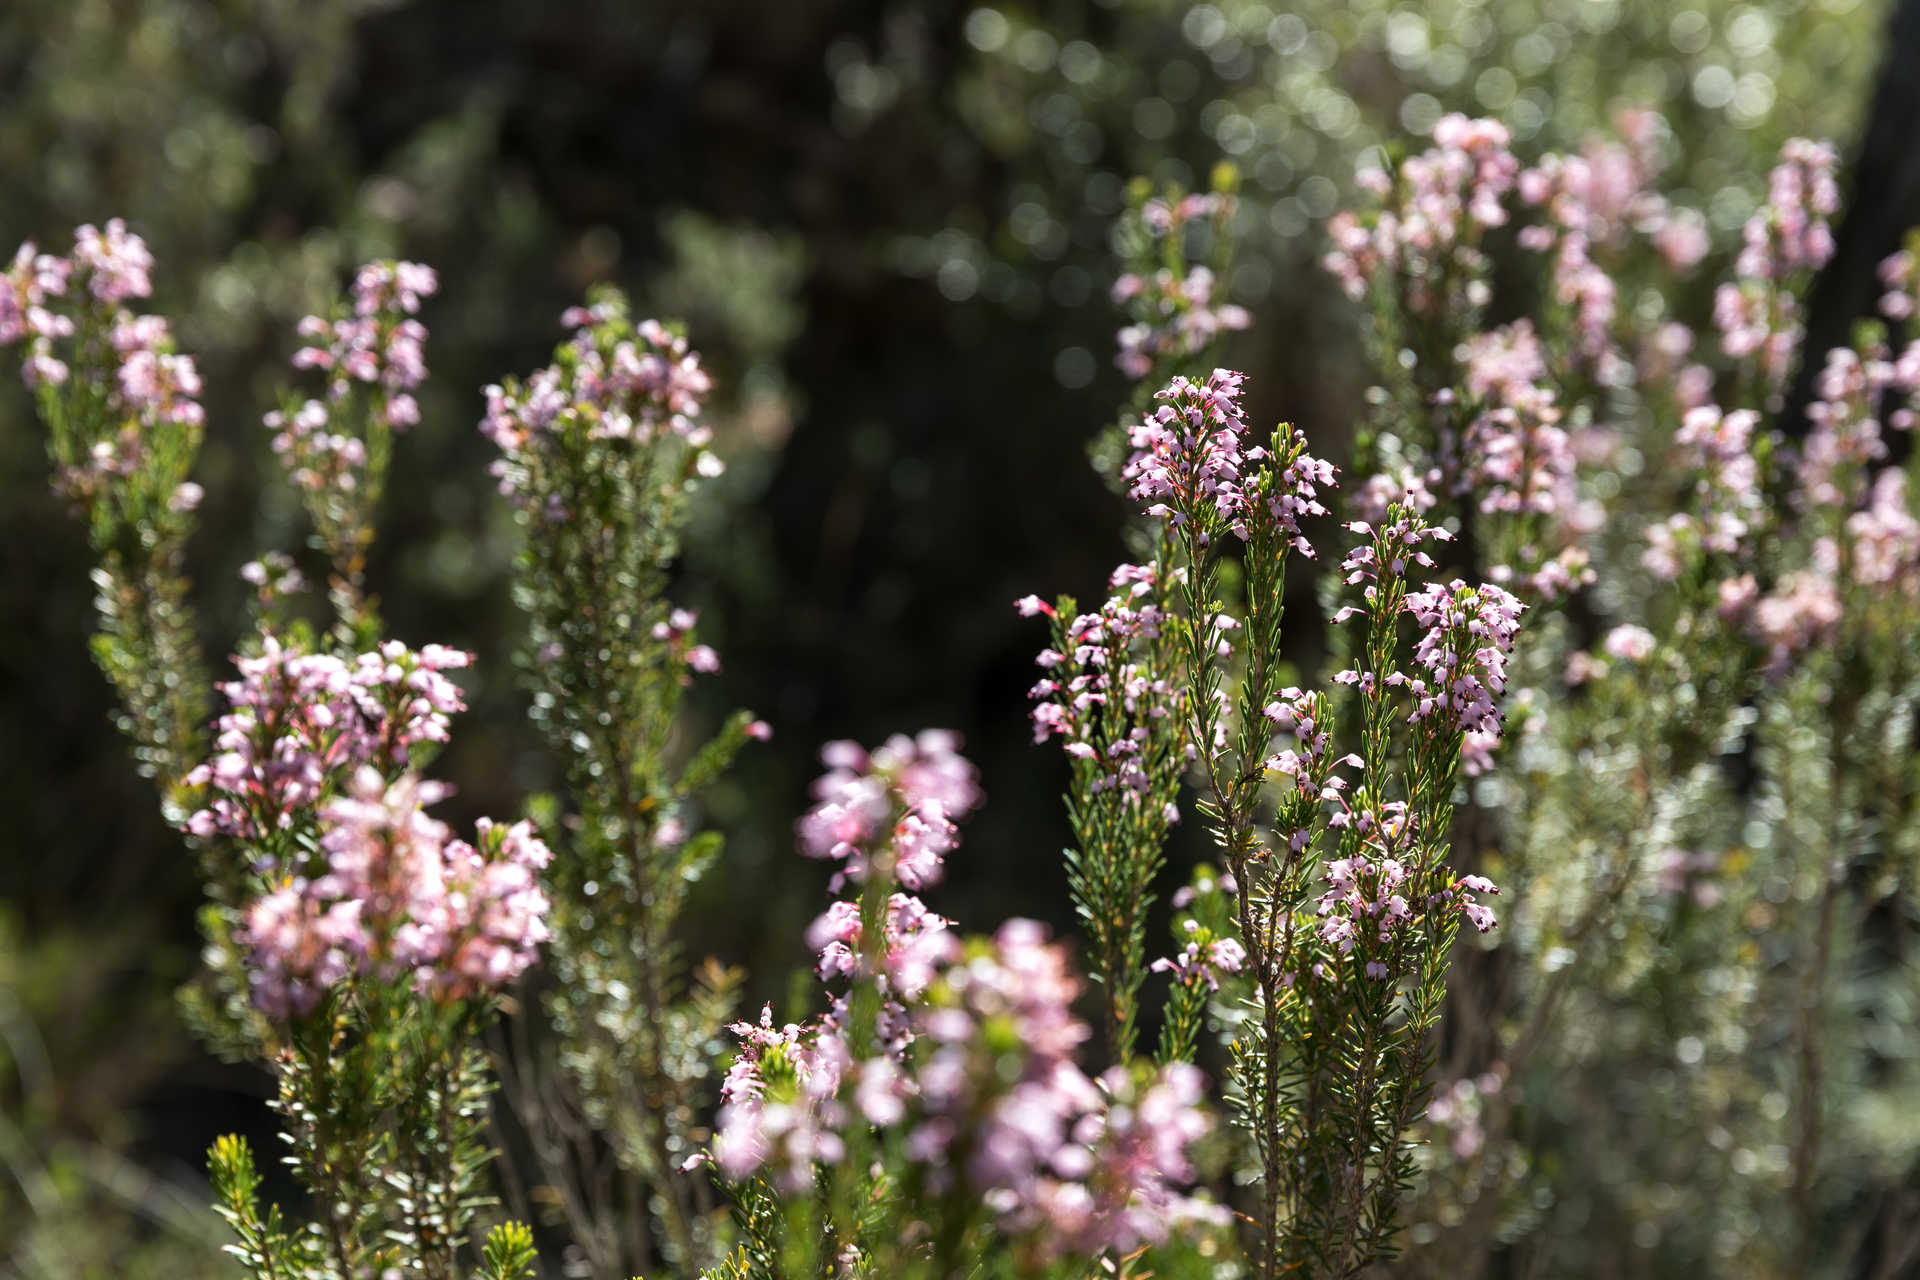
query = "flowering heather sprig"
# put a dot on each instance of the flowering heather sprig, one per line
(779, 1104)
(31, 281)
(1593, 202)
(987, 1110)
(958, 1065)
(1468, 634)
(1309, 762)
(1106, 691)
(1884, 537)
(1516, 457)
(375, 343)
(1384, 554)
(601, 455)
(1784, 242)
(1207, 953)
(1846, 435)
(1187, 454)
(376, 963)
(1176, 317)
(1191, 463)
(1045, 1148)
(336, 448)
(1718, 447)
(1348, 951)
(1103, 688)
(299, 723)
(124, 422)
(918, 942)
(1200, 962)
(115, 264)
(1802, 611)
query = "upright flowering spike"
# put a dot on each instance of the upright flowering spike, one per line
(1787, 238)
(1187, 454)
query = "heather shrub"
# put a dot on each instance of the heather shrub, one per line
(1596, 643)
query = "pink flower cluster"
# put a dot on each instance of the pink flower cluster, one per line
(1097, 691)
(1085, 1166)
(1187, 454)
(918, 942)
(399, 897)
(115, 263)
(780, 1103)
(299, 723)
(1885, 536)
(1517, 458)
(1719, 448)
(986, 1088)
(1191, 463)
(1365, 908)
(152, 383)
(898, 803)
(1445, 198)
(317, 458)
(1468, 634)
(624, 389)
(1386, 550)
(1846, 435)
(974, 1060)
(155, 384)
(379, 345)
(28, 283)
(1309, 762)
(1178, 318)
(1592, 201)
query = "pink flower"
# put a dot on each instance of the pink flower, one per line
(1629, 643)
